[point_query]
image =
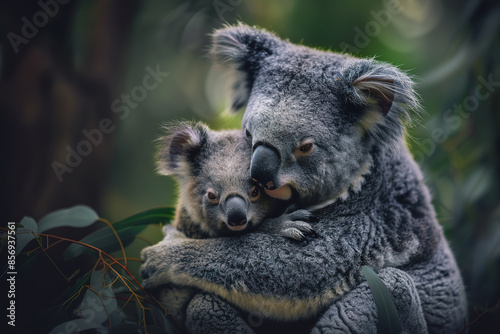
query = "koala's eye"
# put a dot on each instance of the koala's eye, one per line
(247, 133)
(303, 149)
(306, 147)
(254, 193)
(212, 196)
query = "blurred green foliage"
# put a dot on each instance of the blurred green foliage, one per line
(450, 47)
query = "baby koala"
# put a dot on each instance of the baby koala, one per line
(216, 195)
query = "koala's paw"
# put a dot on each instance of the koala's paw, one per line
(298, 231)
(294, 225)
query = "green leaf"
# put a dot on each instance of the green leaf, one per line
(25, 234)
(78, 325)
(99, 302)
(76, 216)
(388, 317)
(127, 230)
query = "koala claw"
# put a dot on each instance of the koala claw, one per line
(293, 225)
(301, 226)
(293, 233)
(297, 230)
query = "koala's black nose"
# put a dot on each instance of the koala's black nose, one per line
(265, 165)
(236, 213)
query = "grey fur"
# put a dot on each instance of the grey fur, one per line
(356, 312)
(366, 191)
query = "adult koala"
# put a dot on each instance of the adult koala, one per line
(327, 133)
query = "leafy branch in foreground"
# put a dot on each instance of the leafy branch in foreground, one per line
(108, 296)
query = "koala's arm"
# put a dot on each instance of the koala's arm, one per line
(259, 272)
(355, 312)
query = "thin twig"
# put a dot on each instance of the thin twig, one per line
(480, 316)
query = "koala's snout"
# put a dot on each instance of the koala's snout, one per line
(264, 166)
(236, 213)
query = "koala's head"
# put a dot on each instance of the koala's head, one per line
(313, 117)
(212, 169)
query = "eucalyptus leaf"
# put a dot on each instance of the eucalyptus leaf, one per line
(76, 216)
(388, 317)
(99, 302)
(25, 234)
(127, 230)
(75, 326)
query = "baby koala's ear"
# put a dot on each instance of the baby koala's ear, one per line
(179, 147)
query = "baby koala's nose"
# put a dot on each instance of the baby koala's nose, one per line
(236, 213)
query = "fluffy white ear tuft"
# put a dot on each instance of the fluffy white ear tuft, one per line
(384, 98)
(241, 49)
(177, 148)
(377, 90)
(228, 44)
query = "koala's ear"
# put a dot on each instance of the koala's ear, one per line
(241, 49)
(376, 90)
(385, 96)
(179, 147)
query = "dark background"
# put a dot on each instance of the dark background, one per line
(63, 77)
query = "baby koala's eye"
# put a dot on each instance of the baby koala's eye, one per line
(247, 134)
(254, 193)
(212, 196)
